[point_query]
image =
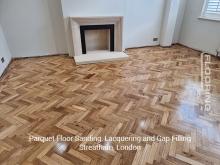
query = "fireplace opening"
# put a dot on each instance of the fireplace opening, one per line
(97, 40)
(97, 37)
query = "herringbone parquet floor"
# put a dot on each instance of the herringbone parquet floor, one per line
(156, 92)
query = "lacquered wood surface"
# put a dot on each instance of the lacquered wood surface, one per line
(156, 91)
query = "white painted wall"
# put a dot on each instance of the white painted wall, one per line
(180, 16)
(92, 8)
(142, 17)
(4, 52)
(33, 27)
(169, 22)
(143, 22)
(199, 34)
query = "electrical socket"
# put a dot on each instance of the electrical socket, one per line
(155, 39)
(2, 60)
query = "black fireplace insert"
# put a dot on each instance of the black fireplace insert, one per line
(111, 27)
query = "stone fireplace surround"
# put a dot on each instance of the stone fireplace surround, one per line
(97, 56)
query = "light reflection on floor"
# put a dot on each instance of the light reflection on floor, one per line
(61, 147)
(190, 111)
